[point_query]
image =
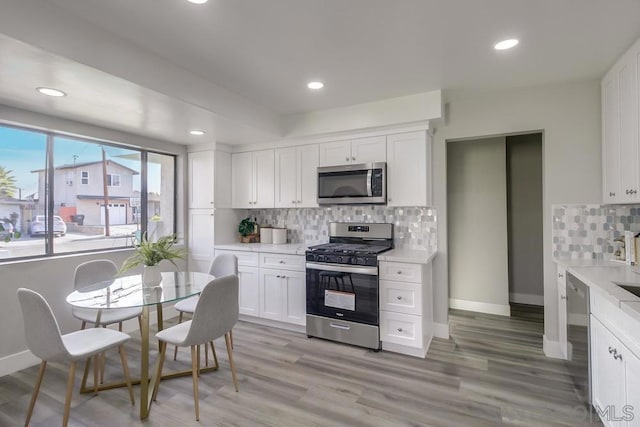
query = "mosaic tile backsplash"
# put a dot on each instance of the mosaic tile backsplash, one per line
(589, 231)
(414, 228)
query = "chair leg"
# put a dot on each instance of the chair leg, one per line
(227, 341)
(206, 355)
(120, 326)
(140, 323)
(194, 375)
(96, 369)
(198, 358)
(215, 356)
(67, 400)
(163, 350)
(84, 324)
(125, 368)
(175, 351)
(36, 389)
(231, 337)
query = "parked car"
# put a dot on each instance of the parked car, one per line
(38, 226)
(7, 230)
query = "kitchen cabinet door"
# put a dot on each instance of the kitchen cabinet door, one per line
(628, 104)
(263, 178)
(607, 372)
(335, 153)
(631, 412)
(294, 291)
(249, 292)
(271, 297)
(242, 180)
(369, 150)
(408, 169)
(201, 239)
(562, 310)
(286, 177)
(307, 176)
(201, 179)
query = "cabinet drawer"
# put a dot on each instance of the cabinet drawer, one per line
(401, 297)
(401, 272)
(403, 329)
(248, 259)
(283, 262)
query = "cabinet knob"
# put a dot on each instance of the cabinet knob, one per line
(281, 261)
(626, 191)
(210, 203)
(293, 201)
(346, 159)
(612, 194)
(398, 297)
(399, 329)
(298, 201)
(353, 158)
(389, 200)
(612, 350)
(278, 276)
(399, 272)
(283, 277)
(617, 356)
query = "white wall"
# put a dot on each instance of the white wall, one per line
(477, 225)
(569, 115)
(525, 216)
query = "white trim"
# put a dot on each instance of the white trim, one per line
(441, 330)
(25, 359)
(529, 299)
(274, 323)
(481, 307)
(552, 348)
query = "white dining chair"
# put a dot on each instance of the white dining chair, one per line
(89, 273)
(222, 265)
(215, 315)
(45, 341)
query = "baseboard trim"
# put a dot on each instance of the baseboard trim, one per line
(552, 348)
(441, 330)
(529, 299)
(403, 349)
(481, 307)
(25, 359)
(274, 323)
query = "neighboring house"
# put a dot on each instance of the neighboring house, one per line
(78, 189)
(22, 208)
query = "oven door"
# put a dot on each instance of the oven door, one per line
(343, 292)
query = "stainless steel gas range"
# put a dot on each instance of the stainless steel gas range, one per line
(342, 283)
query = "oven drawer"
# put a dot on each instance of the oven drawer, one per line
(282, 262)
(400, 271)
(401, 297)
(245, 258)
(403, 329)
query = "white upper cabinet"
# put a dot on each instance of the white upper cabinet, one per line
(296, 183)
(409, 169)
(253, 179)
(201, 179)
(620, 127)
(361, 150)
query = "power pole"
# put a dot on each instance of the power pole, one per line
(105, 188)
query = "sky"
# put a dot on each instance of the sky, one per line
(23, 151)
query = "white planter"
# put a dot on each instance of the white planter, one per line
(151, 275)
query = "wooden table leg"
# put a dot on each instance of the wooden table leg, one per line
(144, 364)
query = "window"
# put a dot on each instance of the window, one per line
(113, 180)
(131, 191)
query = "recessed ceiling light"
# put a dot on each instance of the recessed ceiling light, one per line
(198, 1)
(315, 85)
(506, 44)
(197, 132)
(50, 92)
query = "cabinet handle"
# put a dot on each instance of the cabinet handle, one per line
(612, 350)
(626, 191)
(399, 329)
(563, 297)
(611, 194)
(617, 356)
(560, 275)
(398, 297)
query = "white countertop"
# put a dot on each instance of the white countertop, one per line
(600, 277)
(413, 256)
(288, 248)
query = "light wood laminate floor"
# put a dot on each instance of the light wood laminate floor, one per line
(491, 372)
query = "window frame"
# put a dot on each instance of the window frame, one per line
(110, 179)
(49, 202)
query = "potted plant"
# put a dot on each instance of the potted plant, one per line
(149, 254)
(247, 230)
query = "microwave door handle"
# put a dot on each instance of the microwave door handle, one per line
(369, 175)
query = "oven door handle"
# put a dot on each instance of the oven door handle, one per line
(369, 271)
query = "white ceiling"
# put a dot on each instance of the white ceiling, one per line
(264, 52)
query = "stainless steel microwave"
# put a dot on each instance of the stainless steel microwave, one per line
(364, 183)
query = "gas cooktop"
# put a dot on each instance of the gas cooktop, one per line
(349, 248)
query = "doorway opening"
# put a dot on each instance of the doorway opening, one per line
(494, 209)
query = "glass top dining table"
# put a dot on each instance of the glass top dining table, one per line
(128, 292)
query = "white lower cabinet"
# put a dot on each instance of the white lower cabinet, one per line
(249, 298)
(282, 295)
(562, 309)
(406, 307)
(615, 377)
